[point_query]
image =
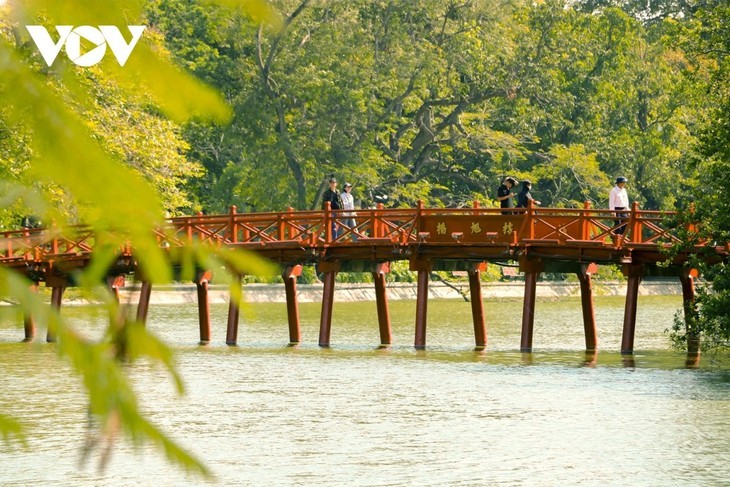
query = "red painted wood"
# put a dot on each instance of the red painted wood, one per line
(477, 308)
(589, 311)
(144, 302)
(233, 312)
(634, 274)
(381, 302)
(421, 310)
(202, 282)
(687, 279)
(528, 311)
(56, 300)
(328, 297)
(290, 275)
(29, 325)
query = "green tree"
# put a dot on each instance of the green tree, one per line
(436, 101)
(606, 83)
(706, 39)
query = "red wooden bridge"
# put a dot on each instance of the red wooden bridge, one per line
(539, 239)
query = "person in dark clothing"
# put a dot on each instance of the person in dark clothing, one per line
(525, 195)
(335, 200)
(333, 196)
(505, 195)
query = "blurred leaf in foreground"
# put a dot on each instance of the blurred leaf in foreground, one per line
(57, 161)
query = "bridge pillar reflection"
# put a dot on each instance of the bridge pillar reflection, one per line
(381, 301)
(477, 303)
(589, 311)
(202, 282)
(634, 273)
(330, 270)
(290, 275)
(423, 267)
(28, 319)
(532, 270)
(234, 309)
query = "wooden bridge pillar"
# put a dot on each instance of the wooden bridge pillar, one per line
(58, 287)
(234, 310)
(381, 301)
(687, 278)
(143, 306)
(477, 304)
(330, 270)
(290, 275)
(634, 273)
(423, 267)
(202, 282)
(589, 311)
(28, 319)
(532, 270)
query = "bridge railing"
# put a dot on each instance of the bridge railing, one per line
(18, 245)
(398, 226)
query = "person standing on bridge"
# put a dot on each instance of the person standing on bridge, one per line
(335, 200)
(524, 196)
(505, 194)
(618, 200)
(348, 203)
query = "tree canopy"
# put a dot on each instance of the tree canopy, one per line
(437, 101)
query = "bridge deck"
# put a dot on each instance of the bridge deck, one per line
(298, 237)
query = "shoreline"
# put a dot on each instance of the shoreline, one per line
(354, 292)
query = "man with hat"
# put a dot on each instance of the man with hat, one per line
(618, 201)
(333, 196)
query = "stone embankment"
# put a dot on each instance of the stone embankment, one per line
(348, 292)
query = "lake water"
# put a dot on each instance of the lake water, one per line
(265, 414)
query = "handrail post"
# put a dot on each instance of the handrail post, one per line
(199, 233)
(419, 216)
(27, 254)
(232, 227)
(529, 219)
(378, 221)
(585, 233)
(280, 227)
(290, 217)
(54, 243)
(635, 224)
(327, 222)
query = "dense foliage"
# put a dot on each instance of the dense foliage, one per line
(706, 39)
(437, 101)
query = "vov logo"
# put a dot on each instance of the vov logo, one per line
(71, 38)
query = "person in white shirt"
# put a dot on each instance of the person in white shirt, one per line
(348, 203)
(618, 200)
